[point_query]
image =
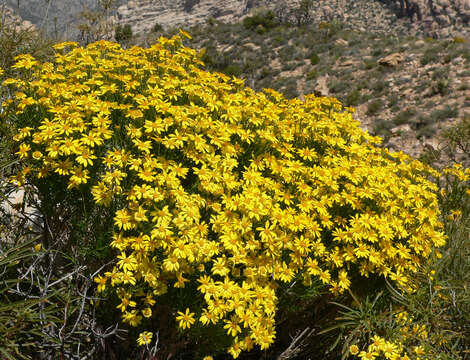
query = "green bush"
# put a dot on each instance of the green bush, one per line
(123, 33)
(311, 75)
(404, 116)
(353, 98)
(440, 87)
(156, 28)
(374, 106)
(261, 22)
(379, 87)
(338, 86)
(232, 70)
(15, 40)
(430, 56)
(393, 101)
(448, 112)
(314, 58)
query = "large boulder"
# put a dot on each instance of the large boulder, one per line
(391, 60)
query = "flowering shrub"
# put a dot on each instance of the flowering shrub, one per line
(223, 192)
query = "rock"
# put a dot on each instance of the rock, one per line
(347, 62)
(435, 15)
(341, 42)
(391, 60)
(251, 46)
(10, 18)
(443, 3)
(321, 88)
(407, 92)
(401, 129)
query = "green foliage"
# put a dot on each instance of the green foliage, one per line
(370, 64)
(328, 30)
(457, 140)
(354, 98)
(338, 86)
(379, 87)
(20, 320)
(382, 128)
(157, 27)
(311, 75)
(261, 22)
(314, 58)
(374, 106)
(393, 100)
(440, 87)
(123, 33)
(448, 112)
(431, 55)
(404, 116)
(459, 40)
(232, 70)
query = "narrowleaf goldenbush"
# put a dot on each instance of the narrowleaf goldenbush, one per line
(433, 321)
(226, 193)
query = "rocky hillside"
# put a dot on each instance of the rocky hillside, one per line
(407, 89)
(143, 15)
(59, 17)
(8, 17)
(439, 18)
(435, 18)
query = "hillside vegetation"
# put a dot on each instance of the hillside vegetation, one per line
(405, 89)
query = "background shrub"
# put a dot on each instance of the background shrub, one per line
(123, 33)
(261, 22)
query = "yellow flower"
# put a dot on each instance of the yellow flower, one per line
(147, 312)
(208, 317)
(25, 61)
(368, 355)
(344, 282)
(419, 350)
(101, 281)
(127, 263)
(232, 327)
(23, 151)
(185, 319)
(185, 34)
(123, 219)
(144, 338)
(132, 318)
(354, 349)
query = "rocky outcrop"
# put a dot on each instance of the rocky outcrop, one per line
(9, 18)
(437, 18)
(362, 15)
(60, 18)
(391, 60)
(142, 15)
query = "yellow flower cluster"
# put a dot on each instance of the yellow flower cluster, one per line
(410, 336)
(232, 190)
